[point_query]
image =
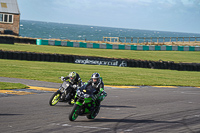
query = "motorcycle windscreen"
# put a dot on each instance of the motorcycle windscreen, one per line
(89, 89)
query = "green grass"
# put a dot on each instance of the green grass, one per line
(9, 86)
(176, 56)
(112, 75)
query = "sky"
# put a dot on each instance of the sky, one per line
(160, 15)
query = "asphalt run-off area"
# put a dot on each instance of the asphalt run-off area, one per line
(126, 109)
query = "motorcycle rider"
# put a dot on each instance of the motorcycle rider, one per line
(74, 78)
(97, 83)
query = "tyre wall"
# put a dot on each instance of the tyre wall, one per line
(7, 40)
(25, 40)
(30, 56)
(12, 40)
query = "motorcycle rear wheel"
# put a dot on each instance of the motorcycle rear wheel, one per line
(94, 113)
(55, 98)
(73, 115)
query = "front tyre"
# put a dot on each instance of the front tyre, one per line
(73, 115)
(94, 113)
(55, 98)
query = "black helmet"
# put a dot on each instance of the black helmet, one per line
(95, 76)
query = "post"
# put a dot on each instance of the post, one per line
(183, 39)
(131, 39)
(170, 39)
(138, 40)
(176, 39)
(157, 39)
(189, 39)
(163, 39)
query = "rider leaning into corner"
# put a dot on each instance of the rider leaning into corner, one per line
(74, 79)
(97, 83)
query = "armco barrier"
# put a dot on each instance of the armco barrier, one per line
(30, 56)
(120, 46)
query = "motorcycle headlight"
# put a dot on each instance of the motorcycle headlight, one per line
(86, 95)
(67, 85)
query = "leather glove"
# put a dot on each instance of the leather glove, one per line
(62, 78)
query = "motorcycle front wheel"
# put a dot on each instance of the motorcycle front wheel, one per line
(73, 115)
(55, 98)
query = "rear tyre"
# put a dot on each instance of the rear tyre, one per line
(55, 98)
(74, 113)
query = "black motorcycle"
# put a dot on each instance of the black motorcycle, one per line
(65, 93)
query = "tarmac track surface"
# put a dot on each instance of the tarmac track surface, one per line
(134, 110)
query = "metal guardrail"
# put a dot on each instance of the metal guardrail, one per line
(150, 39)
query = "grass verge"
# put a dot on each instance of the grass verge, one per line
(112, 75)
(9, 86)
(176, 56)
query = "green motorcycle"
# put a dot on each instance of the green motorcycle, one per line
(86, 103)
